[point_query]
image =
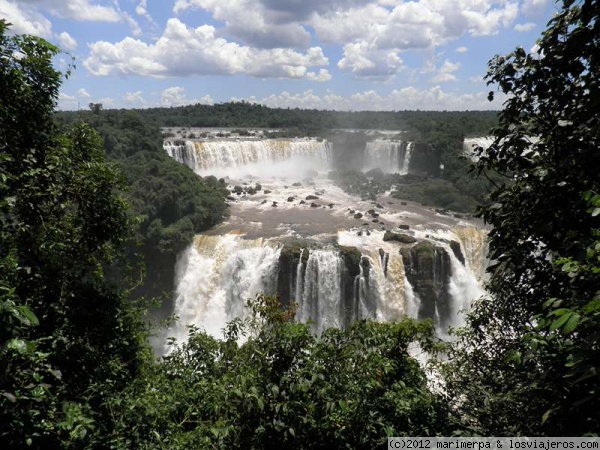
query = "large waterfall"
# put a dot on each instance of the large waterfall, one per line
(216, 275)
(229, 155)
(295, 234)
(359, 278)
(206, 156)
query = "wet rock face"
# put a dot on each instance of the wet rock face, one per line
(288, 263)
(428, 269)
(455, 246)
(399, 237)
(294, 252)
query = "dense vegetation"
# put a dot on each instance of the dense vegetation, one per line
(316, 122)
(75, 367)
(68, 339)
(169, 202)
(541, 324)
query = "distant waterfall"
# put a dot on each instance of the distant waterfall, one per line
(204, 156)
(389, 156)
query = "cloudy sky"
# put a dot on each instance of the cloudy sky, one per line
(328, 54)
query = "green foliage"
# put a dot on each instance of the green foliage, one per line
(437, 192)
(67, 339)
(284, 388)
(542, 324)
(169, 201)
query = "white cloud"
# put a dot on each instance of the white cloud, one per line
(135, 98)
(106, 102)
(322, 75)
(410, 98)
(83, 93)
(489, 22)
(446, 72)
(175, 96)
(142, 8)
(84, 10)
(367, 62)
(524, 27)
(66, 41)
(533, 8)
(133, 24)
(63, 96)
(183, 51)
(462, 50)
(25, 19)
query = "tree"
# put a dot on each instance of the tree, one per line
(285, 388)
(67, 338)
(529, 359)
(95, 107)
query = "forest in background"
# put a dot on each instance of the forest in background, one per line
(75, 367)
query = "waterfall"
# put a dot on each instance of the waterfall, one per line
(206, 156)
(216, 275)
(364, 277)
(299, 284)
(321, 300)
(475, 249)
(389, 156)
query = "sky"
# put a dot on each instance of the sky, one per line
(324, 54)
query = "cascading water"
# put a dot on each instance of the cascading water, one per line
(321, 297)
(204, 156)
(216, 275)
(389, 156)
(338, 275)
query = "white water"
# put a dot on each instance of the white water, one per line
(218, 274)
(389, 156)
(321, 296)
(235, 158)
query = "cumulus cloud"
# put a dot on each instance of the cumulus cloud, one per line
(251, 22)
(183, 51)
(365, 61)
(176, 96)
(462, 50)
(134, 98)
(30, 16)
(524, 27)
(66, 41)
(374, 32)
(410, 98)
(84, 10)
(25, 19)
(322, 75)
(83, 93)
(446, 72)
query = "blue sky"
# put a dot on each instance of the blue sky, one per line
(326, 54)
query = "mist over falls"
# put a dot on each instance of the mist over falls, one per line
(293, 233)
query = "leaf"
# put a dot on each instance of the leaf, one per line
(571, 323)
(560, 321)
(18, 345)
(11, 398)
(27, 316)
